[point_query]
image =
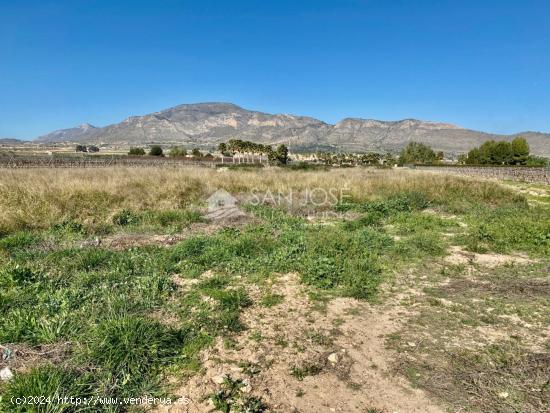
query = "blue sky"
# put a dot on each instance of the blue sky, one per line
(480, 64)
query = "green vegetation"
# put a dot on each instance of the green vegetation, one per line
(136, 151)
(278, 156)
(351, 159)
(502, 153)
(156, 150)
(120, 321)
(232, 398)
(177, 151)
(418, 153)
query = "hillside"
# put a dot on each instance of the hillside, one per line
(207, 124)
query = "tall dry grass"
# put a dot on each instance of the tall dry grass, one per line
(38, 198)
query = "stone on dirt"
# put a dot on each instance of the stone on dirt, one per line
(6, 374)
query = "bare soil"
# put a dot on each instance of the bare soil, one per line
(301, 357)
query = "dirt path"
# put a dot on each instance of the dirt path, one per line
(301, 359)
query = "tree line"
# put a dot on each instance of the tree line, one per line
(502, 153)
(231, 148)
(239, 146)
(174, 152)
(489, 153)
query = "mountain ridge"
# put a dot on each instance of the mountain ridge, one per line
(208, 123)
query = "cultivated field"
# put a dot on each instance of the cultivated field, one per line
(322, 290)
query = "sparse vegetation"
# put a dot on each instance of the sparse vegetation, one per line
(126, 318)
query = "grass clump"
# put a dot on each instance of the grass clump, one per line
(130, 350)
(19, 241)
(52, 383)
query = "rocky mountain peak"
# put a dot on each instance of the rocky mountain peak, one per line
(207, 124)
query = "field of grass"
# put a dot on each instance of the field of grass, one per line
(89, 319)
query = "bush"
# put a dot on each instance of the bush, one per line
(156, 150)
(136, 151)
(177, 151)
(537, 161)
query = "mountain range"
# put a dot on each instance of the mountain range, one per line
(204, 125)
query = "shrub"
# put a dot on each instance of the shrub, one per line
(156, 150)
(136, 151)
(177, 151)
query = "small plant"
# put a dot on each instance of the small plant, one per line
(125, 217)
(309, 369)
(271, 299)
(250, 369)
(68, 227)
(256, 336)
(230, 398)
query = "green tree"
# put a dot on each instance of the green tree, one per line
(196, 153)
(222, 147)
(416, 152)
(389, 160)
(499, 153)
(156, 150)
(502, 153)
(520, 151)
(282, 154)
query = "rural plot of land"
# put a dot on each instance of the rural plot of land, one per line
(404, 292)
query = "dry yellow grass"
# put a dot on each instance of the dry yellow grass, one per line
(38, 198)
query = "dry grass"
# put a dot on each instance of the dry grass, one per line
(38, 198)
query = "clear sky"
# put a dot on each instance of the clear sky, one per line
(480, 64)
